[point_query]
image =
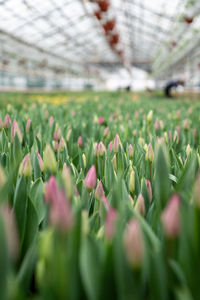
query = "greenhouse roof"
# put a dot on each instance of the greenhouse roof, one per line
(71, 35)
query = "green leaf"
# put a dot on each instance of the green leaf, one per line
(90, 268)
(36, 195)
(20, 206)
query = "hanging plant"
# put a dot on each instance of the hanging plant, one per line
(188, 20)
(104, 5)
(98, 14)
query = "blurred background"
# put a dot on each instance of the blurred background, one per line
(99, 45)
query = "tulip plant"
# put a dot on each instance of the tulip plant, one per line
(100, 199)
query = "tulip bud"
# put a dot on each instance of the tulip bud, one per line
(106, 132)
(114, 162)
(91, 178)
(149, 154)
(106, 203)
(57, 133)
(101, 149)
(26, 167)
(130, 150)
(110, 146)
(10, 230)
(51, 121)
(40, 160)
(135, 132)
(186, 124)
(39, 136)
(117, 143)
(148, 183)
(156, 125)
(132, 182)
(28, 124)
(99, 192)
(150, 116)
(49, 159)
(140, 205)
(68, 134)
(62, 144)
(161, 124)
(80, 141)
(188, 150)
(67, 180)
(61, 214)
(111, 219)
(171, 217)
(15, 130)
(141, 141)
(134, 244)
(7, 121)
(55, 145)
(2, 177)
(84, 160)
(176, 136)
(51, 188)
(101, 120)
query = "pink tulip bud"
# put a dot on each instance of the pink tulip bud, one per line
(28, 124)
(110, 146)
(51, 121)
(111, 219)
(61, 214)
(117, 143)
(156, 125)
(39, 136)
(15, 130)
(101, 120)
(106, 132)
(171, 217)
(135, 132)
(190, 110)
(7, 121)
(176, 136)
(10, 230)
(99, 192)
(186, 124)
(148, 183)
(178, 128)
(140, 205)
(51, 190)
(55, 145)
(40, 160)
(106, 203)
(134, 244)
(80, 141)
(91, 178)
(130, 150)
(1, 124)
(195, 132)
(73, 113)
(56, 134)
